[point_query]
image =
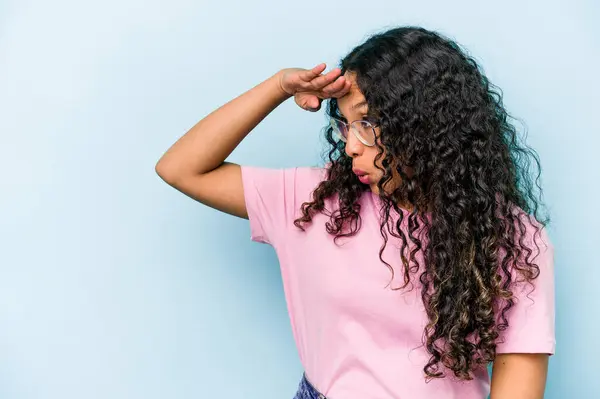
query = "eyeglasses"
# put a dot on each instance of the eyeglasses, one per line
(363, 130)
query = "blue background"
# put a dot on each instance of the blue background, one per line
(114, 285)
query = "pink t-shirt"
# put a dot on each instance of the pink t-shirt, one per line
(355, 337)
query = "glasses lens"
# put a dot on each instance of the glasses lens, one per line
(340, 129)
(365, 131)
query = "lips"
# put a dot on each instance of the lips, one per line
(362, 176)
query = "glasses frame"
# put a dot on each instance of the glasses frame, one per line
(350, 126)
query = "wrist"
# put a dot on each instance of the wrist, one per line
(277, 80)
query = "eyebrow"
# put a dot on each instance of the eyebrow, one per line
(355, 106)
(359, 105)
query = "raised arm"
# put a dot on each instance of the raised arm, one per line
(195, 164)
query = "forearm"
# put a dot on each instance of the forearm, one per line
(208, 143)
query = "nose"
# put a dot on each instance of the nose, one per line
(353, 147)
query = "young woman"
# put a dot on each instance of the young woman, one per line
(416, 256)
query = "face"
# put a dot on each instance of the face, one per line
(353, 107)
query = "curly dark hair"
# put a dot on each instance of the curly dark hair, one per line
(476, 179)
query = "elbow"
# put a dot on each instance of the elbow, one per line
(165, 172)
(172, 173)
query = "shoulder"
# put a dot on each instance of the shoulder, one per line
(309, 177)
(528, 231)
(535, 234)
(531, 316)
(274, 195)
(281, 183)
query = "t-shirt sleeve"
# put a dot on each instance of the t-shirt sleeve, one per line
(273, 198)
(531, 320)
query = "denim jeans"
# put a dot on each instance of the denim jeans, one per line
(307, 391)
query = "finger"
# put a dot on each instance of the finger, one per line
(310, 74)
(341, 92)
(346, 88)
(313, 104)
(321, 81)
(336, 86)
